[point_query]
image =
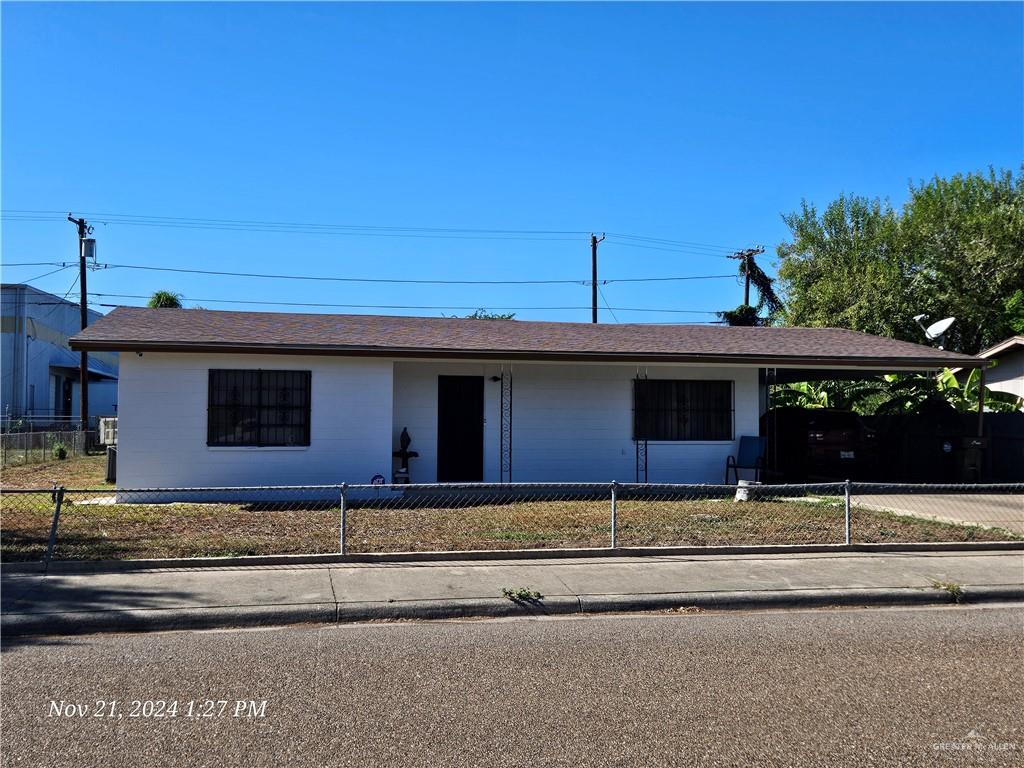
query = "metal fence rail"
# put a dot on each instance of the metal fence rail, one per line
(107, 523)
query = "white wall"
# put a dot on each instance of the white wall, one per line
(1008, 375)
(570, 422)
(415, 407)
(162, 406)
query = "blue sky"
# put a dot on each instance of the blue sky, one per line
(687, 122)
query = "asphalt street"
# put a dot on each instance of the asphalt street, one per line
(926, 686)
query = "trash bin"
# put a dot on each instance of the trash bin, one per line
(970, 456)
(111, 463)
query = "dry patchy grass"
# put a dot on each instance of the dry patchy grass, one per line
(77, 472)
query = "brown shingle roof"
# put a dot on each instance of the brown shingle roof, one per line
(140, 329)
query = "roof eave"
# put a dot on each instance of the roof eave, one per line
(922, 363)
(1004, 346)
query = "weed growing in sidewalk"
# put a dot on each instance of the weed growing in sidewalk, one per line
(522, 593)
(954, 589)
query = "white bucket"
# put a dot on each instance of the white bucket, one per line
(743, 489)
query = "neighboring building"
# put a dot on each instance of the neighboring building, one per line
(40, 373)
(211, 398)
(1008, 374)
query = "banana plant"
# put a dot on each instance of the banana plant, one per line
(842, 395)
(908, 392)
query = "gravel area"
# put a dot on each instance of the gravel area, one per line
(844, 687)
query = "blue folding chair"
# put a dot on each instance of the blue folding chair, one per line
(751, 456)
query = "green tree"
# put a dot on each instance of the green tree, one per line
(954, 249)
(967, 233)
(845, 268)
(1015, 311)
(164, 300)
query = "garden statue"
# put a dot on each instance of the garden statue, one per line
(403, 454)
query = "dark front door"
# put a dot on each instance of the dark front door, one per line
(460, 429)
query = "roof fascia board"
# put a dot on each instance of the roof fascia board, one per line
(1002, 346)
(776, 361)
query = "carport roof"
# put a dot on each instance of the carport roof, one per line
(201, 330)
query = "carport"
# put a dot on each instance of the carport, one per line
(960, 437)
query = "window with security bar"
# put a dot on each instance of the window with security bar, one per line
(258, 408)
(682, 410)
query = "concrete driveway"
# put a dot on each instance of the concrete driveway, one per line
(992, 510)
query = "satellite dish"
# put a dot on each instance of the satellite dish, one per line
(938, 330)
(935, 330)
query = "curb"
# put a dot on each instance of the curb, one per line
(165, 619)
(225, 617)
(118, 566)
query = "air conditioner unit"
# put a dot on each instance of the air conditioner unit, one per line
(108, 431)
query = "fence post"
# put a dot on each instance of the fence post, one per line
(846, 488)
(341, 527)
(58, 501)
(615, 513)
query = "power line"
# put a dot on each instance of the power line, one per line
(34, 264)
(46, 274)
(361, 230)
(662, 279)
(326, 278)
(666, 241)
(606, 304)
(393, 306)
(45, 215)
(722, 255)
(409, 281)
(315, 229)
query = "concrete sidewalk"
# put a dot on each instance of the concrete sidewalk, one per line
(266, 595)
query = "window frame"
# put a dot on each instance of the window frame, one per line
(257, 394)
(656, 436)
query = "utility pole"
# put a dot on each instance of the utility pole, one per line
(594, 240)
(746, 255)
(84, 230)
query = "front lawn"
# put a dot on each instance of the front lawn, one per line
(77, 472)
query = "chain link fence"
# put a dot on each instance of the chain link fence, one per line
(104, 523)
(21, 448)
(902, 513)
(26, 517)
